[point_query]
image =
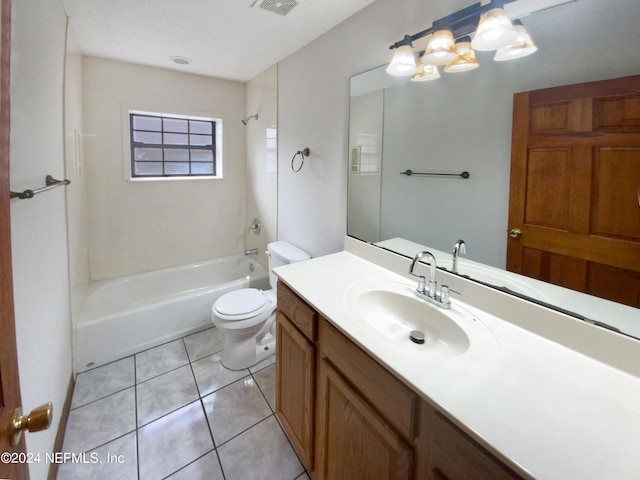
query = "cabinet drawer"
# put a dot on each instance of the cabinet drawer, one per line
(386, 394)
(297, 310)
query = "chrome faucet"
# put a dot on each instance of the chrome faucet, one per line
(458, 249)
(430, 291)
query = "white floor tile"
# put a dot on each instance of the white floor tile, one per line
(173, 441)
(165, 393)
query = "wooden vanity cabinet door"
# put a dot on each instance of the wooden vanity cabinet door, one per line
(354, 441)
(295, 392)
(447, 453)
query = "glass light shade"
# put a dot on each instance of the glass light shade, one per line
(465, 61)
(494, 31)
(425, 73)
(522, 47)
(403, 62)
(440, 50)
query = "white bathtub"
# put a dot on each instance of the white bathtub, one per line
(130, 314)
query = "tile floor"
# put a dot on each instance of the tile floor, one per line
(175, 412)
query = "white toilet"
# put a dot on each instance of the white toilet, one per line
(247, 317)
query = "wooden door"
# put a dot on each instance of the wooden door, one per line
(9, 383)
(353, 440)
(574, 206)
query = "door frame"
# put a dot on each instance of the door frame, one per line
(9, 378)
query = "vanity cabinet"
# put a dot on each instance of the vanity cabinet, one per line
(364, 414)
(295, 371)
(349, 417)
(447, 453)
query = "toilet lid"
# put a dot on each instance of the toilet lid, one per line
(241, 302)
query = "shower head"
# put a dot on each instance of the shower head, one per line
(246, 120)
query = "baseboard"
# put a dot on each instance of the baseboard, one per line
(62, 427)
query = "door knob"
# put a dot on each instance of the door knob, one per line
(515, 233)
(38, 419)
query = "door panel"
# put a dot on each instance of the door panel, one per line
(575, 187)
(547, 206)
(616, 210)
(9, 383)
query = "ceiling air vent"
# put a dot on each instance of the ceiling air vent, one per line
(281, 7)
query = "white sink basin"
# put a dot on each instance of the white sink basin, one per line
(393, 311)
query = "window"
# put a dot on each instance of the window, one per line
(365, 155)
(165, 145)
(272, 151)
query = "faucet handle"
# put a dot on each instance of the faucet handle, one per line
(444, 294)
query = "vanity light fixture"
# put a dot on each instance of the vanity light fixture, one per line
(494, 31)
(441, 49)
(403, 62)
(465, 60)
(522, 46)
(426, 73)
(491, 29)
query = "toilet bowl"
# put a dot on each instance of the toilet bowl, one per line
(246, 317)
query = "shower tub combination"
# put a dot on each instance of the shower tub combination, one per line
(126, 315)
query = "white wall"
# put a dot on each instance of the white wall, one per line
(142, 226)
(364, 189)
(76, 192)
(262, 179)
(38, 225)
(313, 103)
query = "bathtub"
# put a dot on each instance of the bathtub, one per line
(126, 315)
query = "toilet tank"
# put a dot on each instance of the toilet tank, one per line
(283, 253)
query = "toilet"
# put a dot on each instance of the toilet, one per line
(247, 318)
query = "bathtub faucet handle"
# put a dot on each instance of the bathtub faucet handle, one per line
(255, 226)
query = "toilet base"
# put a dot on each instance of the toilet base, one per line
(245, 354)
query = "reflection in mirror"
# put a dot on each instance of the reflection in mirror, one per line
(462, 122)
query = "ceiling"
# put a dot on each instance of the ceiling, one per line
(230, 39)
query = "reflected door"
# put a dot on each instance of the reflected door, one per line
(574, 206)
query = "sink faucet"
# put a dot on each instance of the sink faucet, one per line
(458, 249)
(430, 292)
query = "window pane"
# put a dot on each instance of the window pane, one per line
(176, 139)
(176, 125)
(176, 155)
(148, 168)
(202, 168)
(175, 168)
(173, 145)
(201, 156)
(203, 140)
(148, 154)
(147, 137)
(201, 127)
(147, 123)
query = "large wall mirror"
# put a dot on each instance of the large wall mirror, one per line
(462, 122)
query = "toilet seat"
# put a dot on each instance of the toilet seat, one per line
(241, 304)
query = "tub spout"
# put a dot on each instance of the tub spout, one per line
(253, 251)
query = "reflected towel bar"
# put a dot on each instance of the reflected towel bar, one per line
(408, 173)
(49, 180)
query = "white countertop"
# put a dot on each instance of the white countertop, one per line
(547, 410)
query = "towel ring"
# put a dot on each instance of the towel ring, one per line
(303, 153)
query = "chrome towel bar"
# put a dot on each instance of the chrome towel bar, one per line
(49, 180)
(463, 175)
